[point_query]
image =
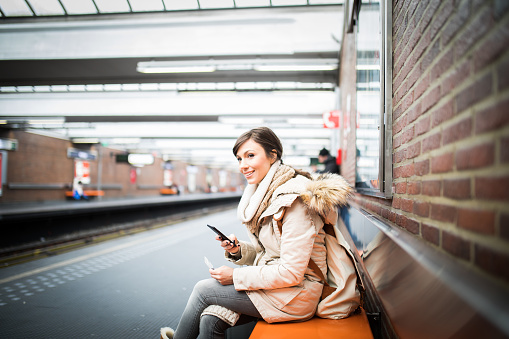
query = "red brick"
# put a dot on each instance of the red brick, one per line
(443, 64)
(399, 125)
(479, 221)
(492, 188)
(421, 208)
(492, 47)
(441, 17)
(432, 142)
(408, 135)
(407, 170)
(442, 163)
(431, 188)
(457, 188)
(407, 205)
(408, 224)
(474, 32)
(455, 245)
(504, 150)
(456, 22)
(396, 203)
(475, 157)
(414, 113)
(504, 226)
(476, 92)
(443, 113)
(492, 118)
(443, 213)
(430, 56)
(492, 261)
(400, 156)
(430, 234)
(413, 151)
(414, 188)
(400, 187)
(421, 86)
(422, 126)
(458, 131)
(503, 75)
(456, 77)
(421, 167)
(430, 99)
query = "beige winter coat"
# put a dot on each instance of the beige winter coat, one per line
(277, 278)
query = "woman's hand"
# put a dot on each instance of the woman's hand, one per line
(228, 246)
(223, 274)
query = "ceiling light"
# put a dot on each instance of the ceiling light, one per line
(294, 68)
(211, 65)
(85, 140)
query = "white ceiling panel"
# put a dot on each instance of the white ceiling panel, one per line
(74, 7)
(175, 5)
(15, 8)
(46, 7)
(146, 5)
(112, 6)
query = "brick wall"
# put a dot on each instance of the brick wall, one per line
(451, 129)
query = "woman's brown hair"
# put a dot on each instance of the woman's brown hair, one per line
(269, 141)
(263, 136)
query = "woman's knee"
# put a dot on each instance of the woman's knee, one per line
(203, 287)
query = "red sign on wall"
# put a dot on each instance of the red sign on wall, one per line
(331, 119)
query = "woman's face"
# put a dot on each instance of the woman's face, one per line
(253, 162)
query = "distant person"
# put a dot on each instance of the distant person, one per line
(272, 280)
(329, 161)
(77, 190)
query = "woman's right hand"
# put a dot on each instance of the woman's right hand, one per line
(228, 246)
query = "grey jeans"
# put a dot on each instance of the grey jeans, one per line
(210, 292)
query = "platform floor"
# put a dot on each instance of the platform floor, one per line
(128, 287)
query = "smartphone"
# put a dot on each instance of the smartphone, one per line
(208, 263)
(221, 235)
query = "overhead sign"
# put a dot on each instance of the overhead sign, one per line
(331, 119)
(140, 159)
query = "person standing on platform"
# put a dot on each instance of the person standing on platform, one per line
(331, 166)
(273, 280)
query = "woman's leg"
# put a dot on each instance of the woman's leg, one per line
(211, 292)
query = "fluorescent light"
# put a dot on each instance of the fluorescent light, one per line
(291, 68)
(85, 140)
(45, 121)
(173, 67)
(211, 65)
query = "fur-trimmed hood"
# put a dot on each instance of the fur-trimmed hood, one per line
(322, 195)
(326, 192)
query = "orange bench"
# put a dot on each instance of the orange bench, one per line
(355, 326)
(88, 193)
(167, 191)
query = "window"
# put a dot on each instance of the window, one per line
(374, 98)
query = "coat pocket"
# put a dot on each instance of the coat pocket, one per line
(280, 297)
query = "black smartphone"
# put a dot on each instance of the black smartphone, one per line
(221, 235)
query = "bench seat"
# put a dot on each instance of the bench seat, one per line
(88, 193)
(167, 191)
(355, 326)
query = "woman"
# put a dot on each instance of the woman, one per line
(277, 284)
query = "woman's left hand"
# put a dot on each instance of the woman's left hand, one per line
(223, 274)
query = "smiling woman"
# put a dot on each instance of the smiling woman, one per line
(273, 280)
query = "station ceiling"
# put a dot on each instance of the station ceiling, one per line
(180, 78)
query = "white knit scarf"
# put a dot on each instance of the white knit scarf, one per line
(255, 198)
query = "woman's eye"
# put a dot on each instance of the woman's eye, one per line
(250, 155)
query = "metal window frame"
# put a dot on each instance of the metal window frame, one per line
(385, 152)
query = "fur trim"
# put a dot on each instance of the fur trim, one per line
(167, 333)
(326, 192)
